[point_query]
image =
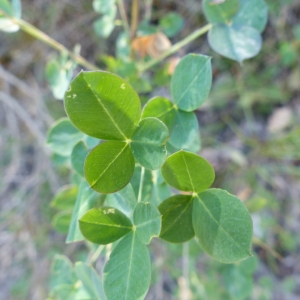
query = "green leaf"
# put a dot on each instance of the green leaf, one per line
(220, 11)
(127, 273)
(252, 13)
(78, 156)
(64, 283)
(162, 109)
(59, 76)
(103, 105)
(123, 200)
(13, 9)
(123, 46)
(63, 136)
(185, 133)
(188, 172)
(148, 143)
(191, 81)
(235, 41)
(171, 24)
(62, 272)
(104, 26)
(103, 6)
(6, 6)
(61, 221)
(147, 220)
(104, 225)
(109, 167)
(65, 197)
(177, 226)
(90, 280)
(86, 199)
(17, 8)
(223, 225)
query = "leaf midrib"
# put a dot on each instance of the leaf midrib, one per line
(130, 265)
(192, 82)
(187, 169)
(106, 225)
(96, 181)
(107, 112)
(175, 220)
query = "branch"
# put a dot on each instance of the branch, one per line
(175, 47)
(40, 35)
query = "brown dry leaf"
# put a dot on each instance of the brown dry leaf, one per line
(153, 45)
(141, 44)
(159, 45)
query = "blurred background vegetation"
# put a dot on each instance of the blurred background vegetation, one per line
(250, 133)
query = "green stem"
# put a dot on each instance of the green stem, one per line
(141, 185)
(40, 35)
(176, 47)
(96, 254)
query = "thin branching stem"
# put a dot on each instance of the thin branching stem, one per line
(124, 16)
(134, 17)
(41, 36)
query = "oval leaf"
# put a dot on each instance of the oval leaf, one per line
(63, 136)
(104, 225)
(103, 6)
(127, 274)
(188, 172)
(147, 220)
(223, 225)
(65, 197)
(177, 226)
(191, 81)
(220, 11)
(78, 156)
(148, 143)
(185, 133)
(90, 280)
(162, 109)
(103, 105)
(85, 200)
(235, 41)
(109, 167)
(61, 221)
(252, 13)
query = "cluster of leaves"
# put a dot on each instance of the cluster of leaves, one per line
(104, 25)
(104, 106)
(59, 72)
(238, 24)
(74, 282)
